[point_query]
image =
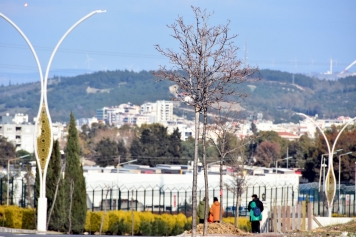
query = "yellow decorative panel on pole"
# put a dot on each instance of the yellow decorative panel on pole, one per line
(330, 184)
(44, 138)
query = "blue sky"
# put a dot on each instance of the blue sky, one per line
(294, 35)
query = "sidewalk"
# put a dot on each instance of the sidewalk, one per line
(23, 231)
(230, 235)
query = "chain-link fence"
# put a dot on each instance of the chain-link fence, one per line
(172, 200)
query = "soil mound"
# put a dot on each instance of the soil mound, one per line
(220, 228)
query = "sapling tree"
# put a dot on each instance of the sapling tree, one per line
(206, 70)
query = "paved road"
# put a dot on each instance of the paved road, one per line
(2, 234)
(8, 232)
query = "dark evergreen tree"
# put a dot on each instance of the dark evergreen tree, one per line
(74, 174)
(54, 179)
(37, 187)
(7, 151)
(107, 152)
(175, 144)
(122, 151)
(253, 128)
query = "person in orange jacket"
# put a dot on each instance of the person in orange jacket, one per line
(215, 210)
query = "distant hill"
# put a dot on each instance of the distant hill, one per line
(275, 95)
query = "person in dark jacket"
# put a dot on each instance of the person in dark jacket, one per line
(201, 211)
(255, 220)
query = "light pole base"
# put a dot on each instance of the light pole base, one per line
(330, 212)
(42, 215)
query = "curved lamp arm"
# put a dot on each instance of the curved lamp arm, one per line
(61, 40)
(30, 45)
(338, 135)
(322, 132)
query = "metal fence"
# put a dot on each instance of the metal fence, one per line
(171, 200)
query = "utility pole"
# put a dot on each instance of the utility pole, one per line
(324, 165)
(287, 157)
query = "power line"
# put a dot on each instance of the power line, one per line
(80, 51)
(135, 55)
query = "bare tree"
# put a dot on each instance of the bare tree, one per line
(237, 183)
(268, 153)
(103, 217)
(206, 70)
(30, 181)
(223, 135)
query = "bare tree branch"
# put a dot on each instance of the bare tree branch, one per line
(206, 70)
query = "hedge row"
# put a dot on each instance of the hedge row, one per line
(114, 222)
(145, 223)
(17, 217)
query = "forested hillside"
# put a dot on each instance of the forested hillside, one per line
(274, 95)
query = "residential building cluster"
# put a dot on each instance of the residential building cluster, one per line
(20, 131)
(130, 114)
(160, 111)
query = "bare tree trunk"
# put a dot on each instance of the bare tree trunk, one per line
(237, 212)
(195, 173)
(55, 196)
(221, 189)
(103, 218)
(70, 206)
(206, 213)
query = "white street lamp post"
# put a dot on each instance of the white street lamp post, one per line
(348, 153)
(287, 158)
(118, 170)
(43, 132)
(8, 176)
(330, 184)
(322, 167)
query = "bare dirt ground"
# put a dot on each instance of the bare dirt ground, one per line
(220, 228)
(348, 229)
(227, 229)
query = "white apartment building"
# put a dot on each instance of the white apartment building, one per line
(164, 110)
(120, 119)
(108, 114)
(20, 118)
(186, 128)
(89, 121)
(22, 135)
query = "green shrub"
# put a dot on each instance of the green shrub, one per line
(160, 228)
(146, 228)
(120, 227)
(2, 216)
(181, 220)
(146, 216)
(13, 216)
(95, 219)
(178, 229)
(28, 218)
(137, 221)
(188, 225)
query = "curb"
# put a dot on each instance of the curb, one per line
(24, 231)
